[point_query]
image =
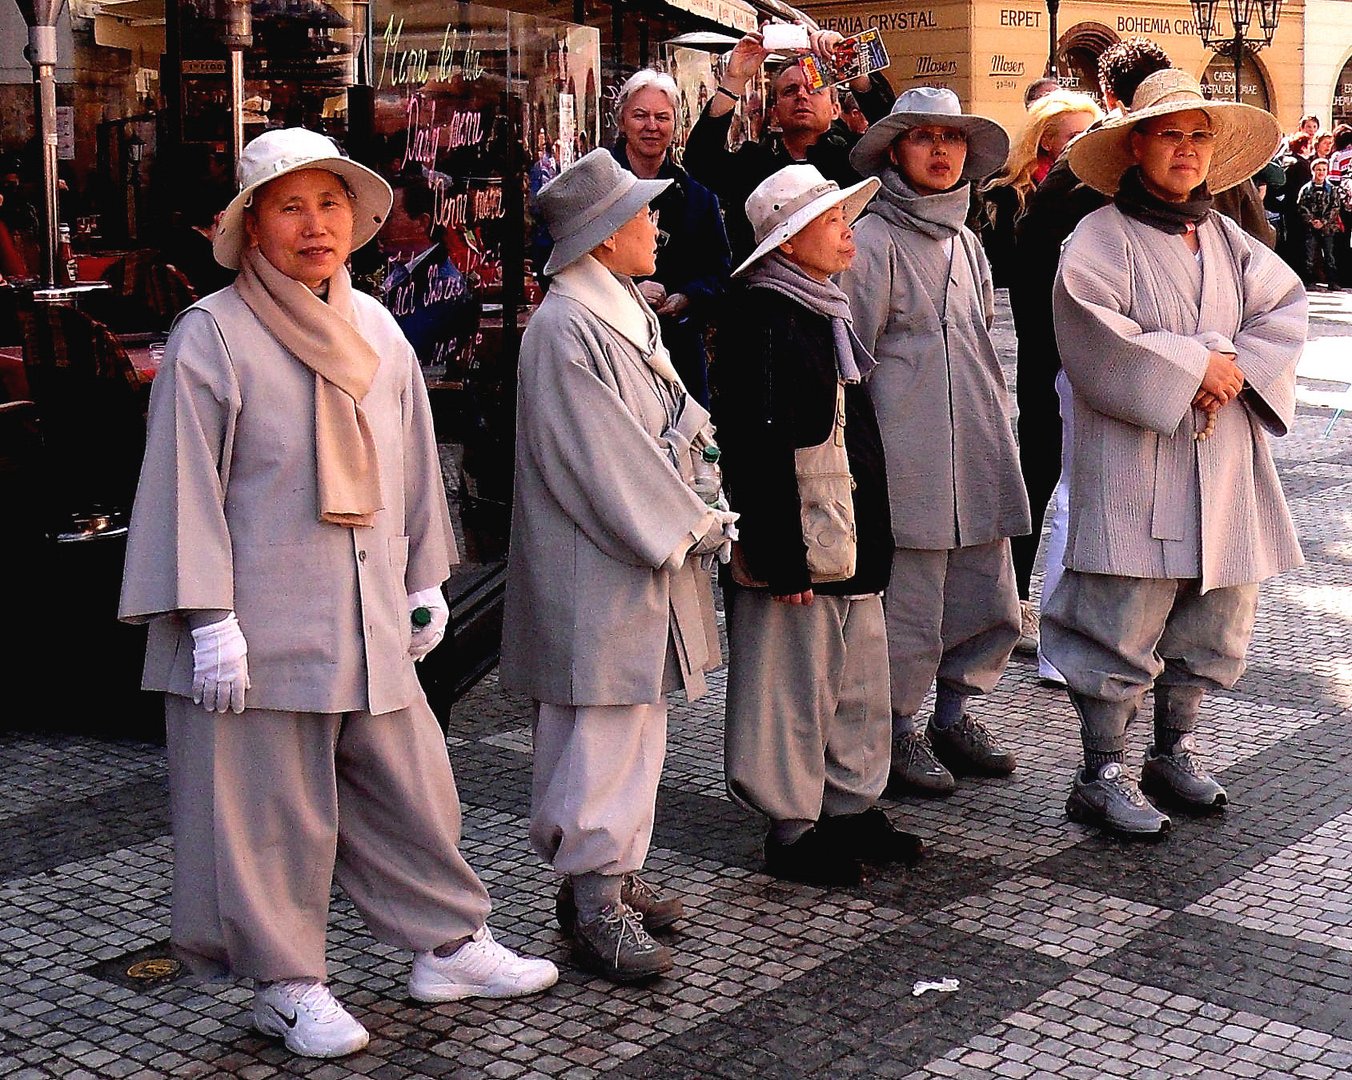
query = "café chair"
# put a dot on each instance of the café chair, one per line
(91, 417)
(147, 293)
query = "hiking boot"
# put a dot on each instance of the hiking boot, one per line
(870, 837)
(479, 968)
(915, 769)
(659, 912)
(615, 946)
(969, 749)
(308, 1018)
(1112, 801)
(814, 859)
(1030, 623)
(1178, 776)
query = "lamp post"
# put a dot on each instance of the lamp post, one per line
(1238, 42)
(1053, 7)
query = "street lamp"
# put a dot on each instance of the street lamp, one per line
(1241, 18)
(1053, 6)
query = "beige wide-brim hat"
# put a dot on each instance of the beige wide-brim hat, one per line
(287, 150)
(987, 141)
(1246, 136)
(589, 202)
(787, 202)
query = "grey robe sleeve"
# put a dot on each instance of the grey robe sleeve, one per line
(427, 520)
(1272, 335)
(179, 556)
(606, 473)
(867, 283)
(1118, 368)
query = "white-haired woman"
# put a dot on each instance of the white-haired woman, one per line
(693, 260)
(287, 547)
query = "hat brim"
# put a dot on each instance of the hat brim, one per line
(855, 197)
(1246, 138)
(371, 202)
(568, 250)
(987, 142)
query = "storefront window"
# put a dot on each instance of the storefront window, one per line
(1342, 96)
(1218, 81)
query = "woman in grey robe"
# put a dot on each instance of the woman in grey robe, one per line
(607, 608)
(1180, 337)
(287, 547)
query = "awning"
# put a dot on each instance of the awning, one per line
(737, 14)
(137, 25)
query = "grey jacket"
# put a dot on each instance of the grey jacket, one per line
(943, 408)
(227, 516)
(1136, 317)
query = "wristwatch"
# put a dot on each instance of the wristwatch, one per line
(721, 89)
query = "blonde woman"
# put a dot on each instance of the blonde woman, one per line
(1053, 121)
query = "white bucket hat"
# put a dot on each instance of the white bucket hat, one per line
(787, 202)
(284, 150)
(987, 141)
(589, 202)
(1246, 136)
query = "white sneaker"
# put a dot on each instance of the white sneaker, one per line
(479, 968)
(308, 1018)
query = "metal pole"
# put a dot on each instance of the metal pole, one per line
(1239, 58)
(42, 55)
(238, 37)
(1053, 37)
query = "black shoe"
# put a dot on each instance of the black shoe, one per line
(813, 859)
(659, 912)
(615, 945)
(871, 838)
(969, 749)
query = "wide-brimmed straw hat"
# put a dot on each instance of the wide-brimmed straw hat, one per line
(1246, 136)
(987, 141)
(286, 150)
(787, 202)
(588, 202)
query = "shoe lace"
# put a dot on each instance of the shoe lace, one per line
(917, 744)
(640, 888)
(315, 999)
(1127, 789)
(1185, 761)
(626, 923)
(971, 726)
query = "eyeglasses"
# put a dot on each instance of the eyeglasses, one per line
(941, 137)
(1174, 137)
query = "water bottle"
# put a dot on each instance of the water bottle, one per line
(708, 479)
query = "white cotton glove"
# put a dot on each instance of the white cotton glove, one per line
(426, 638)
(717, 540)
(220, 669)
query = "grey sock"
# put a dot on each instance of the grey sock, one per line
(1166, 738)
(592, 892)
(903, 725)
(1094, 760)
(948, 707)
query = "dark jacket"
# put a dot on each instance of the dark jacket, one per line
(734, 174)
(694, 259)
(999, 211)
(776, 391)
(1241, 204)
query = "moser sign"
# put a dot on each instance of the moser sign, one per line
(1003, 66)
(926, 65)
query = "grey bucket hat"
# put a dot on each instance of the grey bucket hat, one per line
(588, 202)
(987, 141)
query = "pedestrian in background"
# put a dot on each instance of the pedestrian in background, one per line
(1322, 218)
(608, 608)
(808, 721)
(921, 296)
(1180, 338)
(693, 260)
(288, 543)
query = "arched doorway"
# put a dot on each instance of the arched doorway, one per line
(1342, 96)
(1077, 56)
(1218, 81)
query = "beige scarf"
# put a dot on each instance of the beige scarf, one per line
(618, 304)
(344, 365)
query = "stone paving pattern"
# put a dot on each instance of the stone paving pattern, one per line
(1222, 951)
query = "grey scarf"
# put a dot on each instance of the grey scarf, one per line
(939, 217)
(775, 272)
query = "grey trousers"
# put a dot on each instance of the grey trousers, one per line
(594, 788)
(1113, 638)
(951, 615)
(269, 808)
(808, 729)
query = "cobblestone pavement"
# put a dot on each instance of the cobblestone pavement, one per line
(1222, 951)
